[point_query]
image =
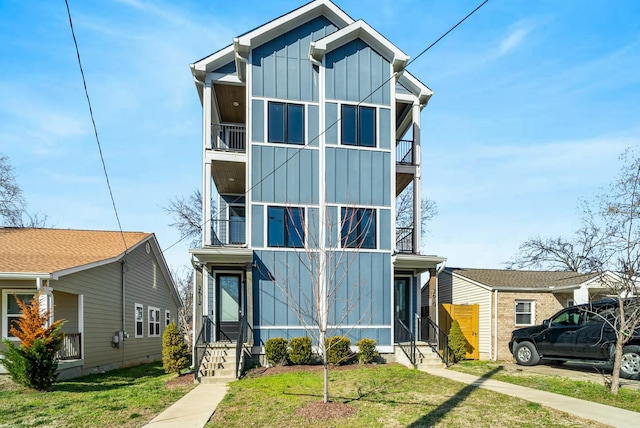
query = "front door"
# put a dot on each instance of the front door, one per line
(228, 307)
(402, 300)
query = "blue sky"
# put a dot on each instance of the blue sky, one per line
(533, 102)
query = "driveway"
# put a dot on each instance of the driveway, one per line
(571, 369)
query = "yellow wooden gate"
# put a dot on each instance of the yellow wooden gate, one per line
(468, 316)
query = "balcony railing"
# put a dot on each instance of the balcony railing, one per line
(228, 232)
(404, 152)
(71, 348)
(404, 239)
(229, 137)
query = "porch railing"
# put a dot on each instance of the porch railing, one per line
(242, 334)
(404, 239)
(205, 336)
(228, 232)
(229, 137)
(404, 152)
(431, 333)
(406, 340)
(71, 348)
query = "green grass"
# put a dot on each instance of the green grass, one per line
(127, 397)
(626, 399)
(383, 396)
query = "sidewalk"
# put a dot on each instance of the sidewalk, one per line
(608, 415)
(193, 410)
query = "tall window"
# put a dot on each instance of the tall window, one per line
(167, 318)
(286, 123)
(524, 312)
(138, 314)
(358, 125)
(286, 227)
(154, 322)
(358, 228)
(11, 310)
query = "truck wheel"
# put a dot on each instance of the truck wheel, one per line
(526, 354)
(630, 364)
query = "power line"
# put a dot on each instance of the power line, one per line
(95, 129)
(297, 152)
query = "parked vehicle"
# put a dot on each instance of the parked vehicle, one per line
(581, 332)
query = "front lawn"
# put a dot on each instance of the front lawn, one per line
(126, 398)
(380, 396)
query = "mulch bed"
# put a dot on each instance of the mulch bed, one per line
(180, 381)
(323, 411)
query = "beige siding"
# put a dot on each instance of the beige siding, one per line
(467, 293)
(65, 306)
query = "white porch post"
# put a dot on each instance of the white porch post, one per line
(417, 220)
(45, 299)
(206, 168)
(81, 323)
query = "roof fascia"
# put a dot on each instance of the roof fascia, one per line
(419, 89)
(359, 30)
(25, 275)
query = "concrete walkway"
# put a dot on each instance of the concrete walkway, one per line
(607, 415)
(194, 409)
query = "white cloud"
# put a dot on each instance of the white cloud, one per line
(515, 37)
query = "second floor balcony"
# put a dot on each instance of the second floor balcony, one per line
(228, 137)
(228, 232)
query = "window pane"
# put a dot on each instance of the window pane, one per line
(276, 227)
(349, 228)
(295, 228)
(523, 307)
(295, 124)
(12, 303)
(348, 125)
(276, 122)
(368, 228)
(367, 126)
(523, 319)
(139, 329)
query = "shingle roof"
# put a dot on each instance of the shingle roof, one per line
(502, 278)
(53, 250)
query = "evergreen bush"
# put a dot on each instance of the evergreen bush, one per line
(457, 342)
(175, 352)
(338, 349)
(300, 350)
(367, 350)
(275, 350)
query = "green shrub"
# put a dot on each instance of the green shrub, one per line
(275, 350)
(300, 350)
(367, 350)
(175, 353)
(457, 342)
(338, 349)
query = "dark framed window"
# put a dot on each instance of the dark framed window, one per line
(358, 125)
(139, 320)
(358, 228)
(285, 227)
(154, 322)
(286, 123)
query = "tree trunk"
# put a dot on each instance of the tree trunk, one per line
(617, 360)
(325, 363)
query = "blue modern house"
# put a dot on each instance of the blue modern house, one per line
(311, 129)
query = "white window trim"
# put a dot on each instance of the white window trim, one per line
(5, 300)
(157, 321)
(167, 318)
(135, 320)
(570, 302)
(532, 313)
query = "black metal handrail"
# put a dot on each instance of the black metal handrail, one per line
(404, 239)
(71, 347)
(405, 338)
(228, 232)
(240, 346)
(200, 346)
(404, 152)
(431, 333)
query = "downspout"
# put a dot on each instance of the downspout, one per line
(124, 306)
(495, 325)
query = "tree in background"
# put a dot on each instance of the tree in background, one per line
(13, 207)
(404, 210)
(183, 278)
(186, 212)
(33, 363)
(175, 352)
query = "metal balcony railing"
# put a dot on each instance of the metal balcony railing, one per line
(71, 348)
(228, 232)
(229, 137)
(404, 239)
(404, 152)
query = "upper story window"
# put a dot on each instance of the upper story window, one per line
(286, 227)
(524, 312)
(358, 126)
(154, 322)
(358, 228)
(286, 123)
(138, 314)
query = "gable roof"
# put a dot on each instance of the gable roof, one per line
(503, 279)
(47, 251)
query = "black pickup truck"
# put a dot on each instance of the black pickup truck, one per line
(581, 332)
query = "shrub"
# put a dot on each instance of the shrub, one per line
(175, 353)
(457, 342)
(300, 350)
(275, 350)
(338, 349)
(367, 350)
(33, 363)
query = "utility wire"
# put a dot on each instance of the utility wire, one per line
(95, 129)
(339, 119)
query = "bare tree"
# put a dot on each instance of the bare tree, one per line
(187, 215)
(13, 207)
(183, 278)
(404, 210)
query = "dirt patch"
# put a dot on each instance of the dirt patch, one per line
(267, 371)
(180, 381)
(322, 411)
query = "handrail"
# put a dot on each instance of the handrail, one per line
(240, 346)
(404, 239)
(228, 137)
(431, 333)
(205, 336)
(71, 347)
(404, 152)
(228, 232)
(405, 338)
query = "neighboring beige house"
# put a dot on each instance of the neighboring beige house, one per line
(510, 299)
(113, 289)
